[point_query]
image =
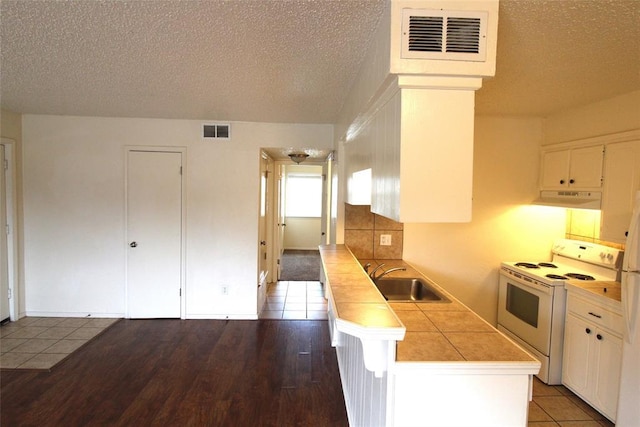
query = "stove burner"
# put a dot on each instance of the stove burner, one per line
(579, 276)
(547, 264)
(556, 276)
(526, 265)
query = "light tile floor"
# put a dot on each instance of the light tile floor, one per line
(41, 342)
(558, 406)
(295, 300)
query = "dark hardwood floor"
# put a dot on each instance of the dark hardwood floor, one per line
(186, 373)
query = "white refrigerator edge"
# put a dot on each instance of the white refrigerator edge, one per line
(629, 397)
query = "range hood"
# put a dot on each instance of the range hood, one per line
(570, 199)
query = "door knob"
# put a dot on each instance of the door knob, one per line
(133, 244)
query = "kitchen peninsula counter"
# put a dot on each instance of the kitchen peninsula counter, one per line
(435, 331)
(439, 355)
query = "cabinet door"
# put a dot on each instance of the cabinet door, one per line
(575, 362)
(585, 167)
(621, 181)
(555, 167)
(608, 359)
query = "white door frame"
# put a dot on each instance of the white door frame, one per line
(183, 225)
(12, 237)
(264, 228)
(277, 218)
(278, 199)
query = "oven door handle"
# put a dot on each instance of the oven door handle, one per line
(531, 284)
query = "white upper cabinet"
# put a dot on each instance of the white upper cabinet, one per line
(621, 181)
(572, 168)
(423, 156)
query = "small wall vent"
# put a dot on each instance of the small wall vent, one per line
(442, 34)
(216, 131)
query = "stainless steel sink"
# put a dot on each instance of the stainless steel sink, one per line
(409, 289)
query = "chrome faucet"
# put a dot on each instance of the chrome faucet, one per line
(374, 271)
(391, 270)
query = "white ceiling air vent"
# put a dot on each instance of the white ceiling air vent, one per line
(443, 34)
(216, 131)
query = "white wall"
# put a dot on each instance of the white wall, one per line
(465, 258)
(618, 114)
(302, 233)
(74, 210)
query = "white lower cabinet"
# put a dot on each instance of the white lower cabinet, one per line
(592, 354)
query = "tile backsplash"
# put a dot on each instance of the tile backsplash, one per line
(363, 230)
(585, 225)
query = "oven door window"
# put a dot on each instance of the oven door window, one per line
(522, 304)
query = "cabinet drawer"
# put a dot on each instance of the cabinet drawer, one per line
(595, 314)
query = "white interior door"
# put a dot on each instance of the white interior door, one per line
(280, 203)
(325, 223)
(4, 249)
(263, 261)
(154, 234)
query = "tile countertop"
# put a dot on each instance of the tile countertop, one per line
(610, 291)
(437, 331)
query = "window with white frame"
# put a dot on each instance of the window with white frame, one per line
(304, 196)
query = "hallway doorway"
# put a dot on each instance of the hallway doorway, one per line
(301, 214)
(283, 226)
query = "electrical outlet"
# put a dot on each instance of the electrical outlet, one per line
(225, 291)
(385, 240)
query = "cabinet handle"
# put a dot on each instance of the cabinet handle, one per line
(572, 181)
(599, 337)
(562, 181)
(595, 315)
(588, 330)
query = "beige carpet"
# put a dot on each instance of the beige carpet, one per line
(300, 265)
(40, 343)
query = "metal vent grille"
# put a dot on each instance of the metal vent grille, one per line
(463, 35)
(426, 33)
(216, 131)
(440, 34)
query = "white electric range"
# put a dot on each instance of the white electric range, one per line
(532, 297)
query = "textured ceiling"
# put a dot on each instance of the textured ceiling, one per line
(286, 61)
(558, 54)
